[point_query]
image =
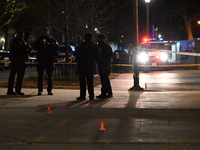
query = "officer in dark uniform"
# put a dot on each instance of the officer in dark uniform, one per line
(18, 55)
(86, 54)
(104, 67)
(47, 52)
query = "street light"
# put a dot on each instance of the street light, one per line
(135, 51)
(159, 36)
(147, 1)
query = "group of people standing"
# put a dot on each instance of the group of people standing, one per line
(47, 52)
(89, 57)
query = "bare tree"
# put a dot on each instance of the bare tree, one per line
(187, 10)
(78, 16)
(10, 12)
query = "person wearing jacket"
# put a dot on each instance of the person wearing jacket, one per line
(19, 51)
(47, 52)
(104, 67)
(86, 54)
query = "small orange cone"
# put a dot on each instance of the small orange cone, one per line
(102, 128)
(48, 110)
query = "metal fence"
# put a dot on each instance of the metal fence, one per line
(67, 70)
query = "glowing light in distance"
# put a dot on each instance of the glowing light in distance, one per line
(143, 57)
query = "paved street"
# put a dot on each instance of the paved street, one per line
(164, 116)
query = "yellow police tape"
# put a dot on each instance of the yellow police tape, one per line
(6, 62)
(125, 65)
(157, 66)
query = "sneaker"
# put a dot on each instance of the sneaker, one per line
(20, 93)
(80, 98)
(101, 96)
(50, 93)
(11, 93)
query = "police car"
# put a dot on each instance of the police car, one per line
(153, 53)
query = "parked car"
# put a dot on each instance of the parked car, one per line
(32, 61)
(62, 54)
(4, 59)
(120, 57)
(121, 61)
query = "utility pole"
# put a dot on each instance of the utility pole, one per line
(135, 51)
(147, 2)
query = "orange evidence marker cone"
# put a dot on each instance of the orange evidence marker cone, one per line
(48, 110)
(102, 128)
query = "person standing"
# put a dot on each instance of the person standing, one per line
(47, 52)
(104, 67)
(19, 51)
(86, 54)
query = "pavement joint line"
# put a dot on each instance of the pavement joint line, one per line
(97, 143)
(119, 112)
(125, 109)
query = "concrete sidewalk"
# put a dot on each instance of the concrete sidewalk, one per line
(164, 116)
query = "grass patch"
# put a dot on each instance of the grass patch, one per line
(59, 83)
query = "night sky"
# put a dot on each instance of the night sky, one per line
(162, 15)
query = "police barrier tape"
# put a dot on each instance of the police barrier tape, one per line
(131, 65)
(123, 65)
(168, 51)
(34, 63)
(157, 66)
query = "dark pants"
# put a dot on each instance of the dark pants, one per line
(105, 83)
(83, 79)
(41, 68)
(19, 69)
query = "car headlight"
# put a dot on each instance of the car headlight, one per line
(164, 57)
(143, 57)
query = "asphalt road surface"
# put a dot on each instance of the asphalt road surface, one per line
(164, 116)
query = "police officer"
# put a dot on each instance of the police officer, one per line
(104, 67)
(18, 56)
(86, 54)
(47, 52)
